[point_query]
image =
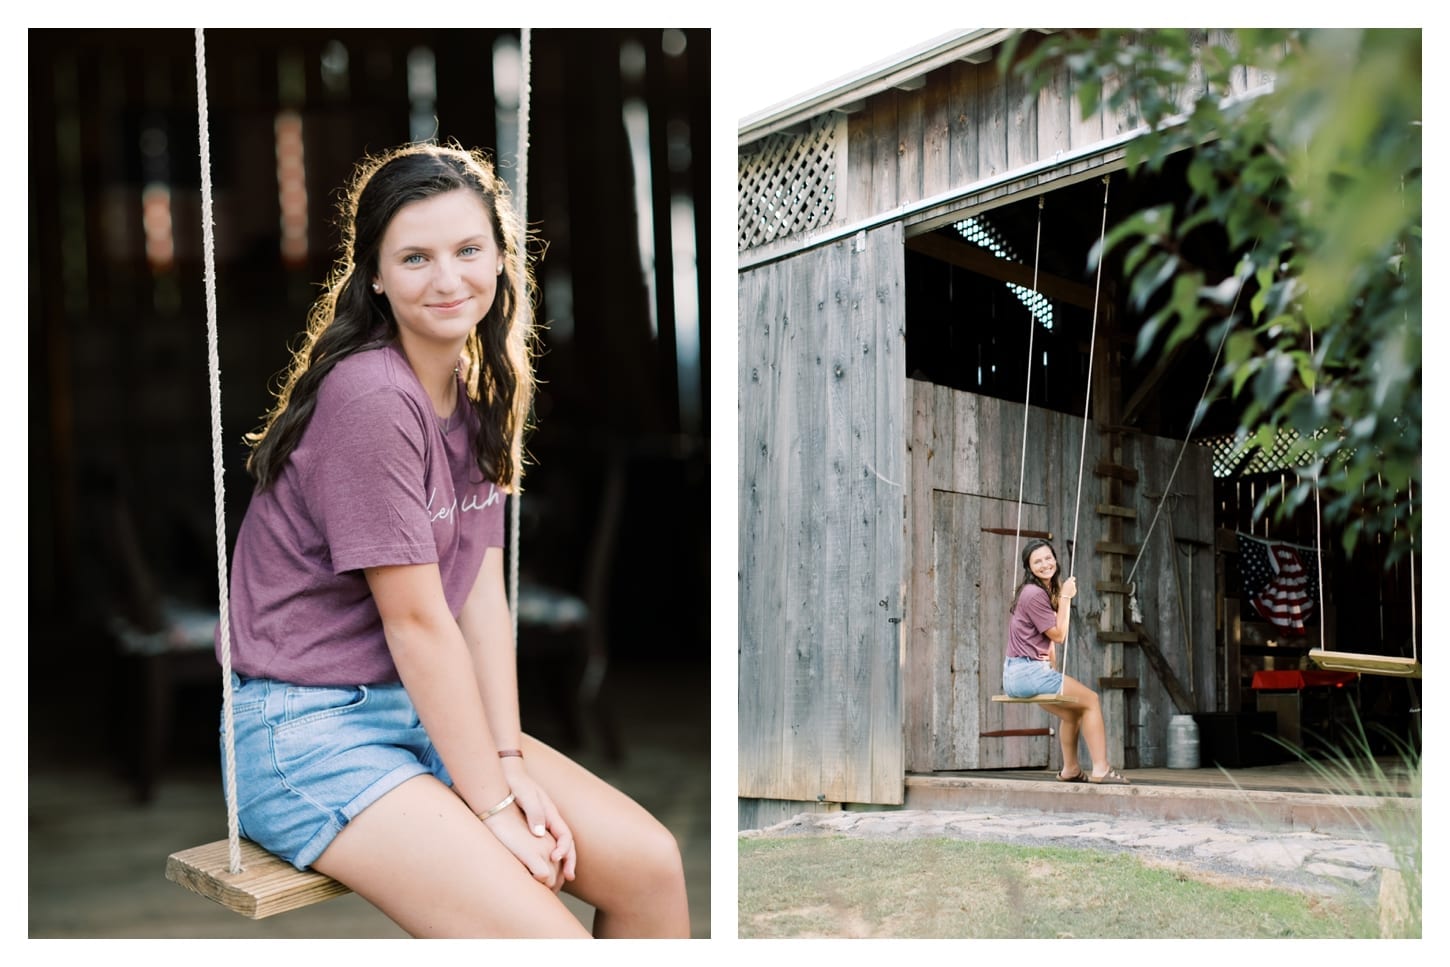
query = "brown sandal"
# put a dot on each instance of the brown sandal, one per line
(1110, 778)
(1080, 777)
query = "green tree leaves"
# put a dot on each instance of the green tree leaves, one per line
(1316, 180)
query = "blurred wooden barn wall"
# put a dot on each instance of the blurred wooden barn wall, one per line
(118, 389)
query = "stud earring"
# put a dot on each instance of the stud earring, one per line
(378, 288)
(499, 270)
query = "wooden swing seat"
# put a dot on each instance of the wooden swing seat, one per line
(266, 885)
(1348, 661)
(1037, 700)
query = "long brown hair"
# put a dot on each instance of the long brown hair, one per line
(349, 317)
(1054, 586)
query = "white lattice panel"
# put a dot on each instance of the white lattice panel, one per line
(1232, 456)
(787, 184)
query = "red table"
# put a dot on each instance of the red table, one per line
(1280, 691)
(1292, 678)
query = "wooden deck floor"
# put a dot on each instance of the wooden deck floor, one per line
(1289, 796)
(1295, 776)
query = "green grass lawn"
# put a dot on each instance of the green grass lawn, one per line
(840, 886)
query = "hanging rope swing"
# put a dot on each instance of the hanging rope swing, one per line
(1059, 698)
(1348, 661)
(237, 873)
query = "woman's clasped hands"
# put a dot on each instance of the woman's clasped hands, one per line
(534, 832)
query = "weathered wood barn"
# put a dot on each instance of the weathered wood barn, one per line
(925, 355)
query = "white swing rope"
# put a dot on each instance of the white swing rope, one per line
(525, 314)
(1027, 410)
(1088, 396)
(224, 625)
(1027, 394)
(1318, 528)
(1198, 414)
(1414, 630)
(1086, 404)
(234, 849)
(1409, 531)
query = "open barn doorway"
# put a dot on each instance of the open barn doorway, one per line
(969, 300)
(971, 309)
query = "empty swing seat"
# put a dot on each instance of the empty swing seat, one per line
(1348, 661)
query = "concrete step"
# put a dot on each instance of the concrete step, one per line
(1174, 797)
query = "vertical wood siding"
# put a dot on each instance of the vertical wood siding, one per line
(822, 463)
(990, 127)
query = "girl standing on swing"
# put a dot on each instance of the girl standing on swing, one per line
(1040, 611)
(376, 702)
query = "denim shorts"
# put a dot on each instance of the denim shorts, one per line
(311, 758)
(1024, 677)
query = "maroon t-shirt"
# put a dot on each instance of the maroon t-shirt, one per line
(1033, 616)
(376, 479)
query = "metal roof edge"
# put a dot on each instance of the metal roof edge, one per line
(873, 79)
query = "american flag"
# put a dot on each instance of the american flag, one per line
(1278, 584)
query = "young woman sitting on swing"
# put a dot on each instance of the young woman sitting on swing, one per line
(377, 720)
(1040, 611)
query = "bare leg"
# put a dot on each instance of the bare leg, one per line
(422, 858)
(629, 867)
(1070, 716)
(1090, 721)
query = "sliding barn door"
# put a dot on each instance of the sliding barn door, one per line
(822, 454)
(965, 472)
(974, 579)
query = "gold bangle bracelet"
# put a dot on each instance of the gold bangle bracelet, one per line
(507, 802)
